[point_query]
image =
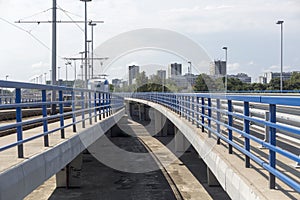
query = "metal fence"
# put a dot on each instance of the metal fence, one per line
(216, 114)
(91, 105)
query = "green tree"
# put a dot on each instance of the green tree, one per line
(201, 82)
(274, 84)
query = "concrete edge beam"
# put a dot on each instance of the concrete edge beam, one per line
(17, 182)
(231, 180)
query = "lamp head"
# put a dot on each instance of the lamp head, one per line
(91, 23)
(279, 22)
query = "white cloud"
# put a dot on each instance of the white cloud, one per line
(233, 67)
(250, 62)
(243, 16)
(188, 17)
(276, 68)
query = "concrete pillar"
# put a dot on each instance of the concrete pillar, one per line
(140, 112)
(127, 107)
(70, 176)
(115, 131)
(181, 143)
(170, 129)
(160, 124)
(211, 178)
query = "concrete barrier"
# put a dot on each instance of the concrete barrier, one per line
(18, 181)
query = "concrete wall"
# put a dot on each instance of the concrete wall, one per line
(20, 180)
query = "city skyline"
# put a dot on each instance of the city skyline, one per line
(249, 31)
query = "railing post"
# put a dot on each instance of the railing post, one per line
(230, 123)
(103, 105)
(45, 124)
(90, 107)
(272, 140)
(110, 100)
(99, 105)
(193, 109)
(189, 108)
(95, 106)
(186, 107)
(61, 112)
(106, 104)
(178, 104)
(218, 119)
(82, 108)
(18, 120)
(209, 115)
(202, 112)
(73, 111)
(247, 131)
(197, 109)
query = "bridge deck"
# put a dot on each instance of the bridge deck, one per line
(9, 157)
(255, 176)
(146, 185)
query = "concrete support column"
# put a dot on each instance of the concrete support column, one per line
(161, 128)
(181, 143)
(127, 108)
(115, 131)
(170, 129)
(211, 178)
(70, 176)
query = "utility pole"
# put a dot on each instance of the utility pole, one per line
(281, 54)
(92, 24)
(53, 76)
(54, 47)
(85, 42)
(226, 77)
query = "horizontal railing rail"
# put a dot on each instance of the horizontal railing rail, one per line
(213, 111)
(91, 105)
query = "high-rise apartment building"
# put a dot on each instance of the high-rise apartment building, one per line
(133, 72)
(175, 69)
(218, 68)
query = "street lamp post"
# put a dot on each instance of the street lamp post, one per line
(85, 40)
(6, 77)
(89, 58)
(281, 54)
(81, 66)
(67, 63)
(225, 48)
(190, 67)
(92, 24)
(58, 73)
(45, 77)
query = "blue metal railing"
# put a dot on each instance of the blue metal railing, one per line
(97, 106)
(199, 109)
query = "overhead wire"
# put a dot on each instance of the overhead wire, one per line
(28, 32)
(35, 14)
(66, 13)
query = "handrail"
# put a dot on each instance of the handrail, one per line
(98, 106)
(198, 108)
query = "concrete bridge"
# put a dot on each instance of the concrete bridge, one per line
(249, 144)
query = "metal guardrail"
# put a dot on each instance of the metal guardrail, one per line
(198, 109)
(97, 104)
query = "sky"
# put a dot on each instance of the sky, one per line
(247, 28)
